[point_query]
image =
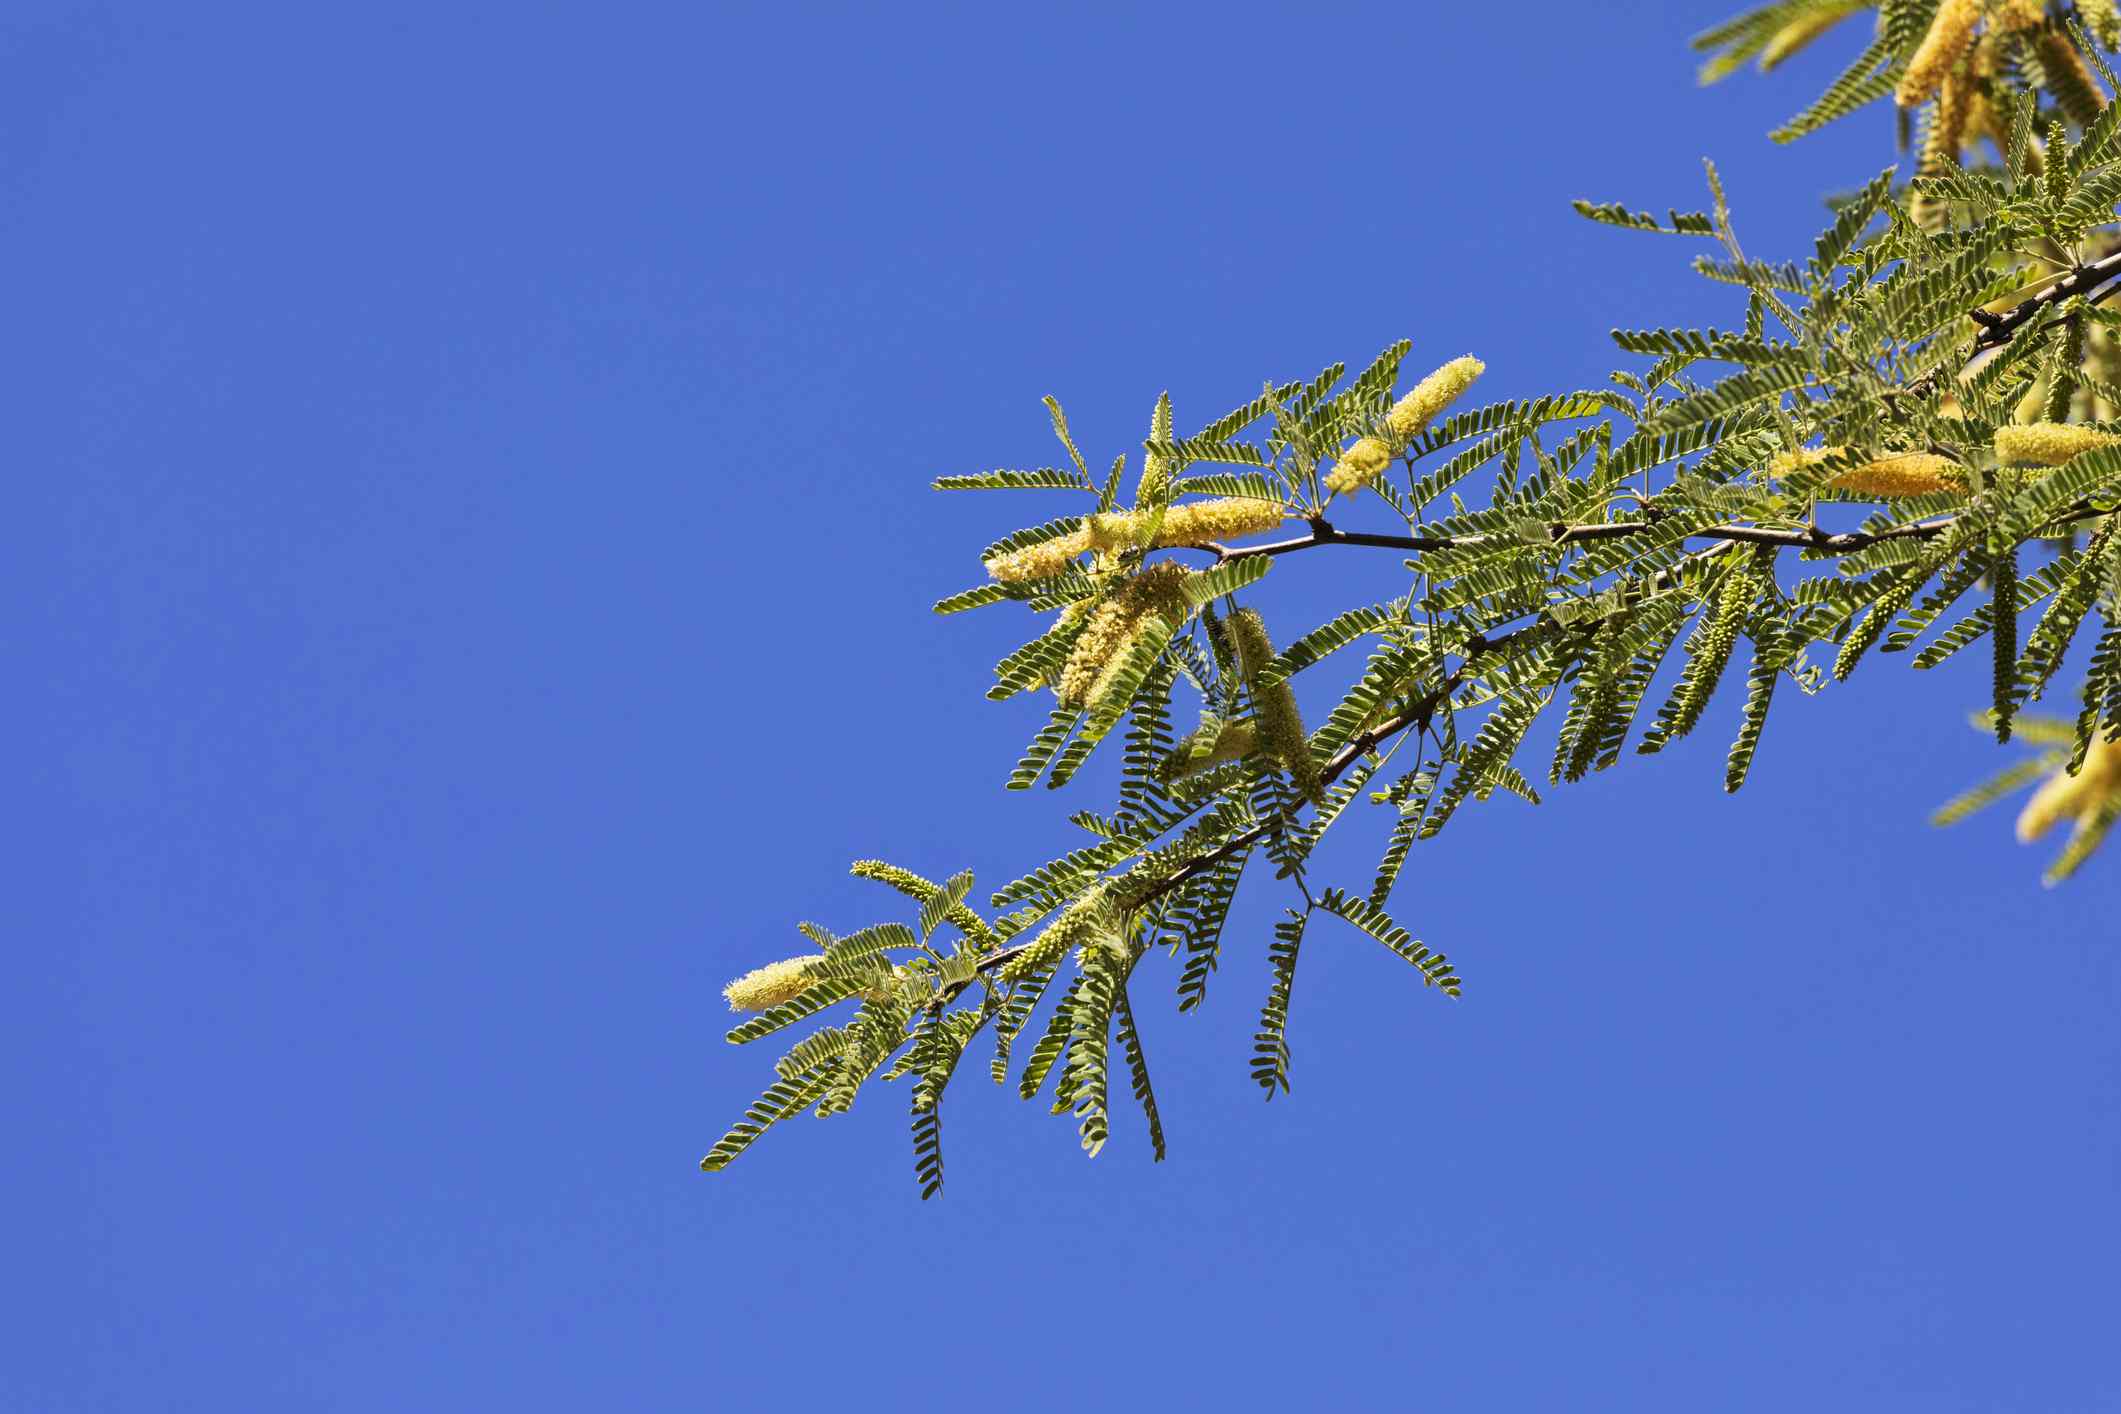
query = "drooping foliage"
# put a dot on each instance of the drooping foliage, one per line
(1907, 443)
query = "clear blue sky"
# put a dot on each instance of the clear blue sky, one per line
(467, 586)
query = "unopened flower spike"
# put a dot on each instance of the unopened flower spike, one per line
(1088, 920)
(1280, 725)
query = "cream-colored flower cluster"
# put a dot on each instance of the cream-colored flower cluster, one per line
(2048, 443)
(1114, 627)
(1950, 35)
(1367, 456)
(764, 988)
(1891, 477)
(2080, 797)
(1225, 518)
(1048, 557)
(1274, 708)
(1195, 523)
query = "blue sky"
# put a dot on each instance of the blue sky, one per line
(468, 579)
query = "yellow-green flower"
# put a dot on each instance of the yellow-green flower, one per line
(1949, 35)
(764, 988)
(1431, 396)
(1367, 456)
(1274, 708)
(1048, 557)
(1226, 518)
(2077, 797)
(2048, 443)
(1886, 478)
(1358, 465)
(1902, 474)
(1113, 627)
(1089, 921)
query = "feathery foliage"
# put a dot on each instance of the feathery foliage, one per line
(1907, 441)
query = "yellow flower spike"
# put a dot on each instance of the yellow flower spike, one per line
(1226, 518)
(1949, 35)
(1431, 396)
(2079, 797)
(764, 988)
(1800, 32)
(2048, 443)
(1113, 627)
(1358, 465)
(1902, 474)
(1886, 478)
(1111, 530)
(1048, 557)
(1279, 724)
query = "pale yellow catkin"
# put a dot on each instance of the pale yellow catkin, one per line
(1280, 725)
(1225, 518)
(1048, 557)
(1367, 456)
(1358, 465)
(1113, 627)
(1431, 396)
(1195, 523)
(2064, 796)
(1800, 32)
(2048, 443)
(1949, 35)
(1886, 478)
(1902, 474)
(764, 988)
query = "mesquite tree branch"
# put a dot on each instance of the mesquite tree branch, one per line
(1996, 331)
(1422, 711)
